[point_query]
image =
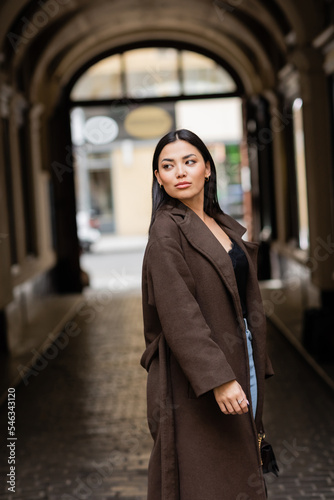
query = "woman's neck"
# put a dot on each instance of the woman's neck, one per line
(196, 205)
(199, 210)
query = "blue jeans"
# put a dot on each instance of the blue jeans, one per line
(252, 372)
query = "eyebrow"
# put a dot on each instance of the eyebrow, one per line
(183, 158)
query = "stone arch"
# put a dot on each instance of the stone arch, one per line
(305, 19)
(53, 39)
(64, 44)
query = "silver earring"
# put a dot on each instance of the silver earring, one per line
(160, 185)
(207, 178)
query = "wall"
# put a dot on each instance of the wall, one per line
(132, 184)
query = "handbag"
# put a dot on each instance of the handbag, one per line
(268, 458)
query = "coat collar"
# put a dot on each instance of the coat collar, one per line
(223, 219)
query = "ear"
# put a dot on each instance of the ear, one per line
(207, 168)
(156, 173)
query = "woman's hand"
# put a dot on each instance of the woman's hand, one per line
(231, 398)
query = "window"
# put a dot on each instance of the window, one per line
(202, 75)
(153, 72)
(100, 81)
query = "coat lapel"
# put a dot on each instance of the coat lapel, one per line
(202, 239)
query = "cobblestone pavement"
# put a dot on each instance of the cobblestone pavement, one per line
(81, 416)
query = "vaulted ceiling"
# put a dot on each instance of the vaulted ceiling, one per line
(44, 43)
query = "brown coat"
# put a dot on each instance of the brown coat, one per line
(195, 338)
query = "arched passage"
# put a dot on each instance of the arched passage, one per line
(276, 49)
(53, 73)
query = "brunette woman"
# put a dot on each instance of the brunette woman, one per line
(205, 335)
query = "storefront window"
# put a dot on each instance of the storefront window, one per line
(114, 178)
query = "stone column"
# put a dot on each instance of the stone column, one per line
(319, 167)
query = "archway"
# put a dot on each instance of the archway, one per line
(120, 106)
(46, 44)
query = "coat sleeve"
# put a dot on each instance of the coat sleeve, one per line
(171, 290)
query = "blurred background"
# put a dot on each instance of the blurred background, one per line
(86, 91)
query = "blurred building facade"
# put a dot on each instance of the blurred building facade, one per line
(66, 61)
(114, 138)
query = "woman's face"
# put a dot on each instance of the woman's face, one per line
(182, 171)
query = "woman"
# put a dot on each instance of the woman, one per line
(201, 300)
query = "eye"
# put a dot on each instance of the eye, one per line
(167, 166)
(190, 162)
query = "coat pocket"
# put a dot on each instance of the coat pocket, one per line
(150, 352)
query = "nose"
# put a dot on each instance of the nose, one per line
(180, 171)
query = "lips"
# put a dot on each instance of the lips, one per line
(183, 184)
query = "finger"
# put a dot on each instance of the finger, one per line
(224, 409)
(242, 401)
(242, 406)
(236, 408)
(230, 408)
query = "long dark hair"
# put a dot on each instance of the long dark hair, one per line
(160, 197)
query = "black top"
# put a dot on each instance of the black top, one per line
(240, 266)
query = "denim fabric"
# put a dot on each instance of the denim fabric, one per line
(253, 380)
